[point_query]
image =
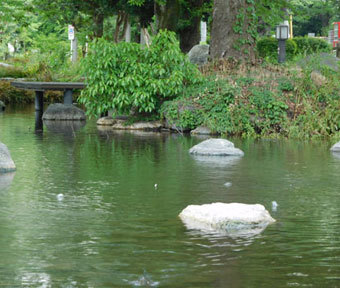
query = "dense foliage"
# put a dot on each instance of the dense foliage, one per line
(265, 102)
(308, 45)
(126, 76)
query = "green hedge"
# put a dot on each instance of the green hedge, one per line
(267, 48)
(306, 45)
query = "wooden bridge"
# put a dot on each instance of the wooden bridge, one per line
(41, 87)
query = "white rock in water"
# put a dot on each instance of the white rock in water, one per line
(60, 197)
(336, 147)
(216, 147)
(232, 218)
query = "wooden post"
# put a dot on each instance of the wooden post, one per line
(39, 101)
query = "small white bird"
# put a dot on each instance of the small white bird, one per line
(60, 197)
(156, 186)
(274, 205)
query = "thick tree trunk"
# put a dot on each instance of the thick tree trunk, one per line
(230, 34)
(167, 15)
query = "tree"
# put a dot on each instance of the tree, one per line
(235, 26)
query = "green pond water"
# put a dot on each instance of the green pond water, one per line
(113, 228)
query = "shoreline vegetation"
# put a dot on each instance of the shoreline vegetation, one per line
(298, 99)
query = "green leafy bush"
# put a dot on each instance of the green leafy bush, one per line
(308, 45)
(267, 48)
(128, 76)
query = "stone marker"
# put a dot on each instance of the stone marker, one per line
(6, 162)
(230, 218)
(336, 147)
(216, 147)
(60, 111)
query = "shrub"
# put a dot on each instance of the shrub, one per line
(9, 94)
(127, 76)
(307, 45)
(268, 48)
(12, 72)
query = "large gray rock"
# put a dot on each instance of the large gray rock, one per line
(6, 162)
(199, 54)
(234, 219)
(336, 147)
(60, 111)
(216, 147)
(2, 106)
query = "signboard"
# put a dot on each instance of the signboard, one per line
(70, 32)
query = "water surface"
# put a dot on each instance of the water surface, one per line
(113, 228)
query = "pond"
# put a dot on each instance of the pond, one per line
(114, 228)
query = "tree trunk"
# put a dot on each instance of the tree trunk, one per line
(167, 15)
(231, 34)
(98, 20)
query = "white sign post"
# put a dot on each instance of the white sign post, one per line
(72, 37)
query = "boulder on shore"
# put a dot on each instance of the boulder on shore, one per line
(202, 130)
(229, 218)
(6, 162)
(106, 121)
(216, 147)
(145, 126)
(60, 111)
(336, 147)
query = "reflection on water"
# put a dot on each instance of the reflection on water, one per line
(216, 161)
(336, 155)
(6, 180)
(112, 223)
(240, 231)
(64, 127)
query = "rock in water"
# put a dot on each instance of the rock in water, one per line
(216, 147)
(6, 162)
(336, 147)
(60, 111)
(233, 218)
